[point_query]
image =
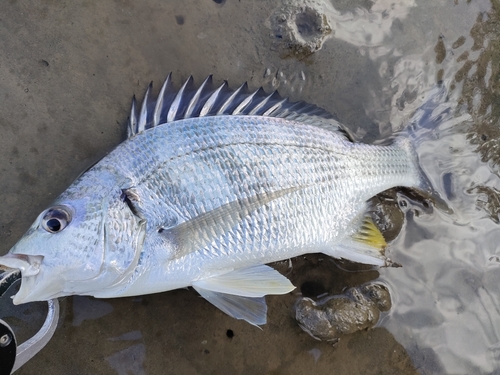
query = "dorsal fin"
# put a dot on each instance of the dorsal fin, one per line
(207, 100)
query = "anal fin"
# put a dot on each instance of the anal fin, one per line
(367, 245)
(369, 234)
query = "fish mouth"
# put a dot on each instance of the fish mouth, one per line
(29, 265)
(16, 266)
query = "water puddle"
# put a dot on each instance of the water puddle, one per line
(130, 359)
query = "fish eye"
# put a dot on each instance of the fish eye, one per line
(56, 219)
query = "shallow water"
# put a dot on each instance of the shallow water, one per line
(67, 71)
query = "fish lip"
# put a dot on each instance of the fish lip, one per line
(32, 276)
(29, 265)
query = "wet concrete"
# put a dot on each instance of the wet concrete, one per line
(180, 333)
(67, 73)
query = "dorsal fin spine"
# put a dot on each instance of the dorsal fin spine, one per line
(209, 104)
(132, 120)
(231, 98)
(174, 107)
(160, 101)
(143, 116)
(189, 102)
(239, 109)
(262, 104)
(275, 107)
(196, 97)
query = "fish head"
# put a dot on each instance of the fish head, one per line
(87, 241)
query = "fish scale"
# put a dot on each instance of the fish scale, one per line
(280, 176)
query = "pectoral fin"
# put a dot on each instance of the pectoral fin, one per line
(240, 293)
(255, 281)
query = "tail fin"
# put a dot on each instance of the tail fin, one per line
(421, 127)
(428, 116)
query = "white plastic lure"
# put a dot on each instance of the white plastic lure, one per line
(211, 185)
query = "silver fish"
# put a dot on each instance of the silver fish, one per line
(211, 185)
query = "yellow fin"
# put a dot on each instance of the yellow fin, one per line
(369, 234)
